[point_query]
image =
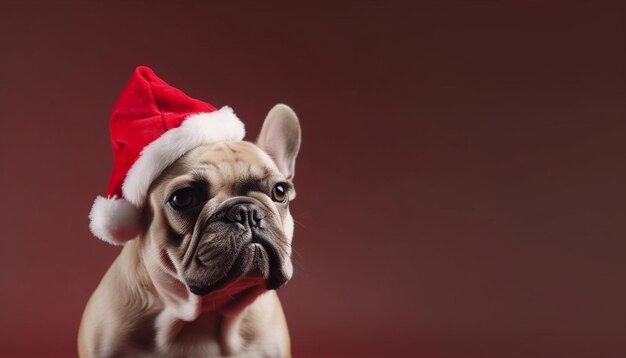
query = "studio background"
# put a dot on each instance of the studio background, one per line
(460, 183)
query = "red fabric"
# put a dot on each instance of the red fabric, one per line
(235, 296)
(147, 108)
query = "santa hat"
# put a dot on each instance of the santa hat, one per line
(152, 125)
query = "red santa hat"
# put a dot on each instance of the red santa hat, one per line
(152, 125)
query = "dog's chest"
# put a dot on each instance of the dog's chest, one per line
(210, 349)
(207, 337)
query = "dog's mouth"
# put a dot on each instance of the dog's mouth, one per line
(256, 269)
(257, 263)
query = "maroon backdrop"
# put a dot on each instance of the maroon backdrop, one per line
(460, 185)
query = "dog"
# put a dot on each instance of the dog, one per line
(200, 279)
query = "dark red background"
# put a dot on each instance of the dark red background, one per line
(460, 184)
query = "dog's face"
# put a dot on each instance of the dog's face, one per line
(221, 212)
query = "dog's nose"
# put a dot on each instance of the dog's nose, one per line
(245, 214)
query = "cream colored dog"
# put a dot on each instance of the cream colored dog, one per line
(200, 279)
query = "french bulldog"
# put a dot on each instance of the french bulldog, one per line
(200, 279)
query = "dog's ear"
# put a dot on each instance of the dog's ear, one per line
(280, 138)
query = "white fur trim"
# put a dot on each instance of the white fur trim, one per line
(197, 129)
(114, 220)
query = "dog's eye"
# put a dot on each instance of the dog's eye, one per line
(279, 193)
(183, 199)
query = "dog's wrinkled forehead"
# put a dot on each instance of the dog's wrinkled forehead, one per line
(227, 166)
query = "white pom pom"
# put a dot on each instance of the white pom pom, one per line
(114, 220)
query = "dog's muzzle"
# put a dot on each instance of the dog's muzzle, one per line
(241, 238)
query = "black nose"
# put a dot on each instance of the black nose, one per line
(246, 214)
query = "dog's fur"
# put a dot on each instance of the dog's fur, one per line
(200, 281)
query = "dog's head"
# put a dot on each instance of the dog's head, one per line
(221, 212)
